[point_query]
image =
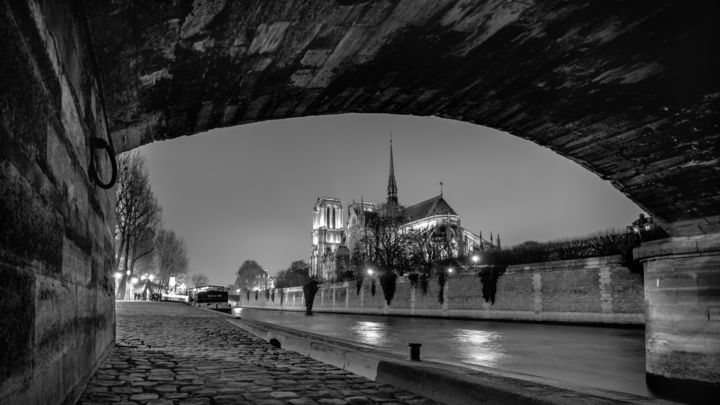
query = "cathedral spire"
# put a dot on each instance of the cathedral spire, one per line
(392, 199)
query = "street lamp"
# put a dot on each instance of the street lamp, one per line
(475, 259)
(450, 270)
(370, 272)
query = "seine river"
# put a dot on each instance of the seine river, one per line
(599, 357)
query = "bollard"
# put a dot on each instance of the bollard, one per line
(415, 351)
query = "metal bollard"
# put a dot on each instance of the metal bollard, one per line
(415, 351)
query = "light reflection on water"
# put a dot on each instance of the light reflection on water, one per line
(371, 333)
(479, 347)
(606, 358)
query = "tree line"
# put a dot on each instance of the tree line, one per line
(386, 247)
(251, 276)
(391, 250)
(143, 244)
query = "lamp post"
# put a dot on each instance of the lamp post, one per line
(370, 273)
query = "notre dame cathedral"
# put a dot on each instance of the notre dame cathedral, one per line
(335, 235)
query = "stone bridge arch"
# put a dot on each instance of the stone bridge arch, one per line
(628, 89)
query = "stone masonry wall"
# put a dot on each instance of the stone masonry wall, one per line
(627, 89)
(596, 290)
(56, 244)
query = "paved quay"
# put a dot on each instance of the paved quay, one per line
(169, 353)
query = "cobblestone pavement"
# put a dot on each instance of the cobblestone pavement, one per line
(169, 353)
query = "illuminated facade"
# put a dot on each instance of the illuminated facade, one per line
(327, 235)
(357, 221)
(433, 218)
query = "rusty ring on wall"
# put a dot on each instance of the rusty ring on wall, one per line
(99, 143)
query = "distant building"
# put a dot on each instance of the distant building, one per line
(327, 234)
(331, 238)
(271, 282)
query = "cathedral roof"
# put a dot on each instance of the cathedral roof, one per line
(434, 206)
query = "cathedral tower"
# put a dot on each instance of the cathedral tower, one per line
(392, 200)
(327, 234)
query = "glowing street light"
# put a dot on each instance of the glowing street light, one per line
(151, 277)
(450, 270)
(370, 272)
(475, 259)
(133, 281)
(143, 277)
(127, 272)
(117, 275)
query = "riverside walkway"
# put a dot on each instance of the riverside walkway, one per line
(168, 353)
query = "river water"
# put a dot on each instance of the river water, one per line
(599, 357)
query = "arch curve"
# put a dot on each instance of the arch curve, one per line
(628, 90)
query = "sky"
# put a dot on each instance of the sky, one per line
(247, 192)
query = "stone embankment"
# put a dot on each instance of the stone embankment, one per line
(597, 290)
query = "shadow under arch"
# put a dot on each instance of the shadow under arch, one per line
(614, 87)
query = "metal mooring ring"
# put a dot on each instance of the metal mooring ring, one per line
(99, 143)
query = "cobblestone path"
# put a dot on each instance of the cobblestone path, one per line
(169, 353)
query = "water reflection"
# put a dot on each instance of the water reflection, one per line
(480, 347)
(371, 333)
(606, 358)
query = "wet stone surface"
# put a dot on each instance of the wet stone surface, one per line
(174, 354)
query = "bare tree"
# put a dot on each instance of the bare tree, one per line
(199, 280)
(432, 247)
(137, 214)
(387, 245)
(171, 256)
(424, 253)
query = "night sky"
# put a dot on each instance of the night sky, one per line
(247, 192)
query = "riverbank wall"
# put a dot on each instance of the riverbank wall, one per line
(588, 291)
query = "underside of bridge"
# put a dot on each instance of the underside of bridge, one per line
(627, 89)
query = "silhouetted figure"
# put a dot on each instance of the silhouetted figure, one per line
(309, 290)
